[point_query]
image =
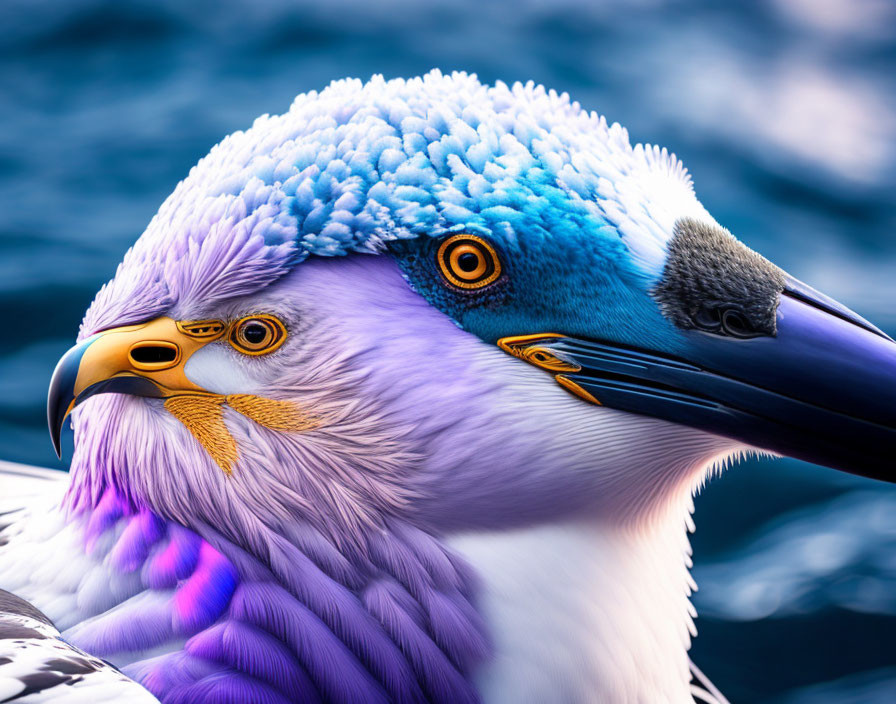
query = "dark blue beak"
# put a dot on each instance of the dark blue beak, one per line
(822, 390)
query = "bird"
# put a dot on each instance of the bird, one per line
(404, 395)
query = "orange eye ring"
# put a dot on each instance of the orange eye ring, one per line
(257, 334)
(464, 253)
(468, 262)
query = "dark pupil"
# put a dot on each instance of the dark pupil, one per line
(255, 333)
(468, 261)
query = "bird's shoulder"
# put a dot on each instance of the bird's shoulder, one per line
(119, 583)
(37, 665)
(156, 600)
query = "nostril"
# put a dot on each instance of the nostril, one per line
(153, 354)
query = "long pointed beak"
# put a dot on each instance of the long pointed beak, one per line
(140, 360)
(822, 390)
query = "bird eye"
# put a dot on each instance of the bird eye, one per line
(468, 262)
(257, 334)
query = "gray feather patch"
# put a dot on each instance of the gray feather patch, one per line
(708, 268)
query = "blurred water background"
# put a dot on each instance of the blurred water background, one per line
(783, 110)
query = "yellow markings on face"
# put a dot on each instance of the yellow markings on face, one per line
(284, 416)
(526, 347)
(567, 383)
(203, 416)
(533, 349)
(207, 330)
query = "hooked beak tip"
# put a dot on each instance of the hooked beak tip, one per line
(61, 396)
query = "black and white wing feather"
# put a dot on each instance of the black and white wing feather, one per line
(38, 667)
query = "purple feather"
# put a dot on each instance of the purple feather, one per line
(204, 596)
(335, 670)
(251, 650)
(227, 687)
(176, 561)
(142, 532)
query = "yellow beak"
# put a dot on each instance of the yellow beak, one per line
(149, 360)
(157, 351)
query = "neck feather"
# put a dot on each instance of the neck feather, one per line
(587, 610)
(393, 615)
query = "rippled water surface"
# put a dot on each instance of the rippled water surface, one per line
(783, 110)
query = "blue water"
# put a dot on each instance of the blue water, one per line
(783, 110)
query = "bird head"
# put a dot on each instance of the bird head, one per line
(471, 305)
